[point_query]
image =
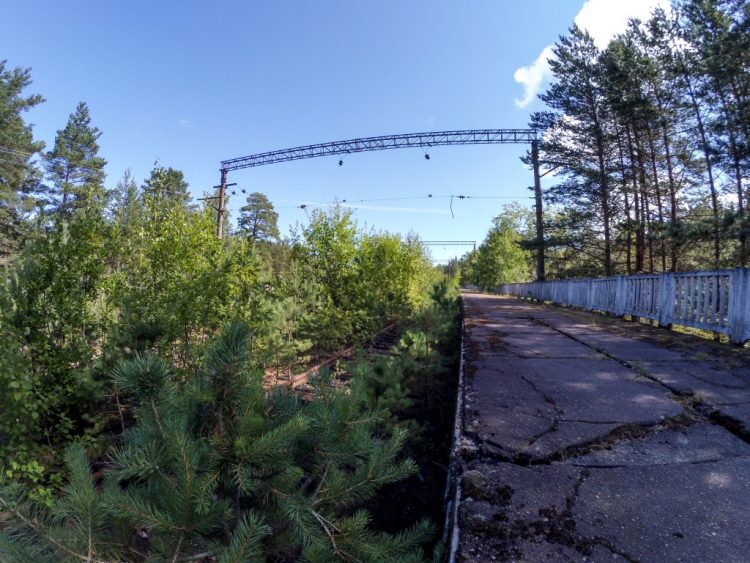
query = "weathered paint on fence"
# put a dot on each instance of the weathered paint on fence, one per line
(715, 300)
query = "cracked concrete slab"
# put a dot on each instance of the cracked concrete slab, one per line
(535, 407)
(685, 512)
(717, 385)
(581, 444)
(697, 443)
(620, 347)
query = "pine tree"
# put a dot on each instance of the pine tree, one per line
(216, 468)
(18, 175)
(282, 340)
(258, 219)
(165, 187)
(578, 135)
(74, 167)
(713, 29)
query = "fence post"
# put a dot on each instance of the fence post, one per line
(666, 298)
(739, 305)
(590, 295)
(620, 296)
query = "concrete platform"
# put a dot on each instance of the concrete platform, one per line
(583, 443)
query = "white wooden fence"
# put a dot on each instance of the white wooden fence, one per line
(716, 300)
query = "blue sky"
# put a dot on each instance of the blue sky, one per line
(194, 83)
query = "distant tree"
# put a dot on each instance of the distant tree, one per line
(18, 176)
(74, 165)
(258, 219)
(166, 187)
(500, 258)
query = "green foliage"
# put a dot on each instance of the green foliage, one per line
(258, 219)
(214, 466)
(414, 373)
(365, 279)
(500, 258)
(74, 166)
(394, 274)
(51, 328)
(18, 177)
(327, 246)
(177, 283)
(282, 334)
(164, 188)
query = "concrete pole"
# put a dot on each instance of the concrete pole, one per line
(222, 202)
(539, 217)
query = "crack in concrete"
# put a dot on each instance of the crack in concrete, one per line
(549, 400)
(701, 408)
(563, 528)
(540, 357)
(656, 464)
(609, 546)
(554, 427)
(576, 420)
(625, 363)
(714, 384)
(624, 433)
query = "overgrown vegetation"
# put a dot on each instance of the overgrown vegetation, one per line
(217, 468)
(134, 347)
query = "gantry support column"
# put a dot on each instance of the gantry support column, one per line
(538, 208)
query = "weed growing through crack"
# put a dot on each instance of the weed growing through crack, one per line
(641, 370)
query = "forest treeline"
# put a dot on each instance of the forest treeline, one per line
(649, 144)
(137, 420)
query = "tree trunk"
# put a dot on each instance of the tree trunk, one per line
(736, 164)
(672, 194)
(657, 189)
(709, 169)
(604, 187)
(636, 164)
(629, 231)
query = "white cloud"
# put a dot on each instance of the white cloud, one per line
(603, 19)
(186, 124)
(533, 76)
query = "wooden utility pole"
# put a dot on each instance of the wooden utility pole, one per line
(538, 207)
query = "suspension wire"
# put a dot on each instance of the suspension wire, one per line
(352, 202)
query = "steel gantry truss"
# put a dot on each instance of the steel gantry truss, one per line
(386, 142)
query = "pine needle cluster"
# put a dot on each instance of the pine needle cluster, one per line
(217, 469)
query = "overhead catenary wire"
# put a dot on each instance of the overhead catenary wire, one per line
(351, 202)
